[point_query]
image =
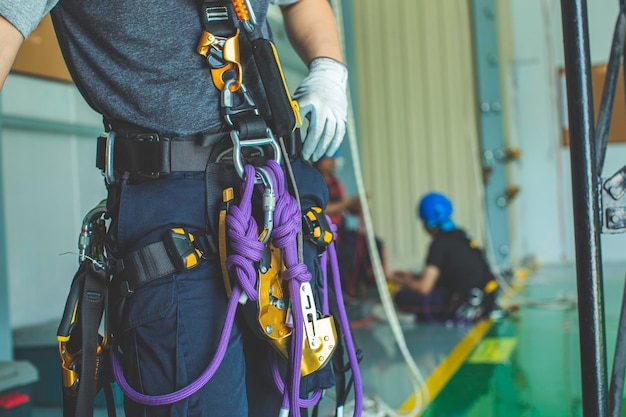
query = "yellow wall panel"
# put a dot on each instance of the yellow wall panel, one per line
(40, 54)
(417, 117)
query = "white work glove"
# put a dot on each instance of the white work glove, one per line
(323, 99)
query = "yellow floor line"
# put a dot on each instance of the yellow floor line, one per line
(447, 368)
(442, 374)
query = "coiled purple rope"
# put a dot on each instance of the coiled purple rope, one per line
(244, 242)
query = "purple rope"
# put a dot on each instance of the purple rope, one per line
(345, 325)
(280, 385)
(246, 250)
(244, 241)
(287, 224)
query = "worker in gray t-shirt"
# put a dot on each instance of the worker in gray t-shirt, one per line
(165, 98)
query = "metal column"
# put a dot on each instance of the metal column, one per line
(487, 67)
(586, 208)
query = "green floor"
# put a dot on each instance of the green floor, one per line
(540, 376)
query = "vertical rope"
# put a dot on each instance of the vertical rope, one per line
(418, 382)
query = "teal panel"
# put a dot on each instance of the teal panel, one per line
(487, 68)
(346, 171)
(6, 346)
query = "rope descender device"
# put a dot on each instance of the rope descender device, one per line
(221, 51)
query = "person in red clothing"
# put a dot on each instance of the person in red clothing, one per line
(338, 202)
(353, 257)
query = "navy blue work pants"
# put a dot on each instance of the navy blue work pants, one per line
(435, 306)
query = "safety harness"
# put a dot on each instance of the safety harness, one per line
(262, 264)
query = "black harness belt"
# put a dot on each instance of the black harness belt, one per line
(152, 154)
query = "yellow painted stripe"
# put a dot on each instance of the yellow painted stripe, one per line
(442, 374)
(446, 369)
(493, 350)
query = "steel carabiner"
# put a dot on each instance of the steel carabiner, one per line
(261, 176)
(227, 101)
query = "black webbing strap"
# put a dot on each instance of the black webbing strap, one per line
(91, 308)
(144, 265)
(249, 126)
(217, 19)
(153, 154)
(153, 261)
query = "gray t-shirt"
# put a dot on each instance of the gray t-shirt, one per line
(136, 60)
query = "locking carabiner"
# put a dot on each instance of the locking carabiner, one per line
(261, 176)
(227, 101)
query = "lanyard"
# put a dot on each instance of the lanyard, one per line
(219, 44)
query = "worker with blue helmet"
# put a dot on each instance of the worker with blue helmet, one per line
(456, 282)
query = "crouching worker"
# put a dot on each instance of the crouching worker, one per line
(456, 282)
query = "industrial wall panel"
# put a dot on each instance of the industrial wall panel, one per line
(49, 182)
(417, 117)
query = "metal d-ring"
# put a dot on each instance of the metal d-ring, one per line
(238, 144)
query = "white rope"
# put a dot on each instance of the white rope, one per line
(417, 380)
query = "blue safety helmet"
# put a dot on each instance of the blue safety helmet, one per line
(435, 210)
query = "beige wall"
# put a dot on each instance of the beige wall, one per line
(417, 117)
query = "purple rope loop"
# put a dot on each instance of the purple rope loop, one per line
(304, 402)
(207, 374)
(244, 242)
(298, 272)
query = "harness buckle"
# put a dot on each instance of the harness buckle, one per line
(182, 248)
(148, 137)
